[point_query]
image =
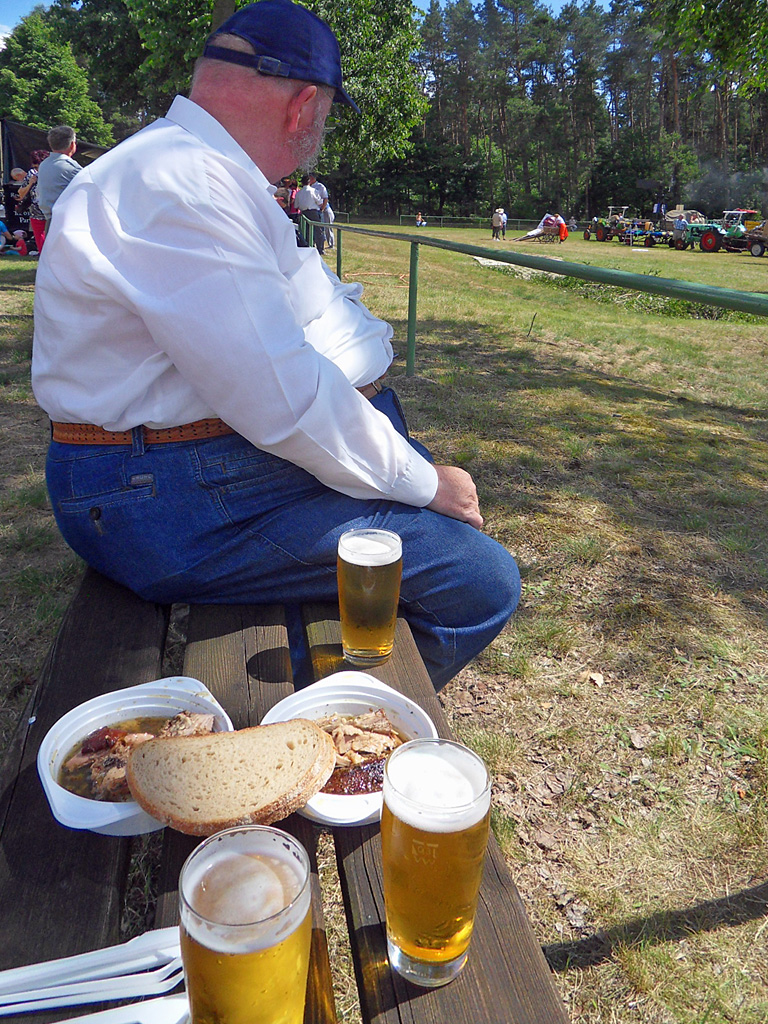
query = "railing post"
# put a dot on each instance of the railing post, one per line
(339, 234)
(413, 291)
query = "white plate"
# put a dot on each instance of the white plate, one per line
(350, 693)
(160, 697)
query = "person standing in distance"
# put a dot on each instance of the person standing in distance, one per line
(196, 465)
(310, 203)
(325, 208)
(57, 170)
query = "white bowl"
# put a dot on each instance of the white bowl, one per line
(160, 697)
(350, 693)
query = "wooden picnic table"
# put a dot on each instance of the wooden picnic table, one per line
(61, 890)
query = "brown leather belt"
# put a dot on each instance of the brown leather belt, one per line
(86, 433)
(371, 390)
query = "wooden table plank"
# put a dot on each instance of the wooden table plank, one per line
(241, 654)
(60, 889)
(506, 978)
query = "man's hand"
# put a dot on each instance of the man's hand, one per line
(456, 496)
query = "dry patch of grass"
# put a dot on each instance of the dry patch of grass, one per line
(339, 952)
(37, 570)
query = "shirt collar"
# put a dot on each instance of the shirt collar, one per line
(198, 122)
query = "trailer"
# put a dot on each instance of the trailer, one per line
(757, 239)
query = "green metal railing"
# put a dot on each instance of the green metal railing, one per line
(725, 298)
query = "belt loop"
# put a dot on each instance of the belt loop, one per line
(137, 442)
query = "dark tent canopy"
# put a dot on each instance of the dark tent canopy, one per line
(18, 141)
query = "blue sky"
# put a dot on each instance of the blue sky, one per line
(12, 11)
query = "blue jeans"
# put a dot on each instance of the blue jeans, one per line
(220, 521)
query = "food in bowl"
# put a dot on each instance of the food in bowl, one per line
(363, 743)
(95, 767)
(352, 694)
(160, 698)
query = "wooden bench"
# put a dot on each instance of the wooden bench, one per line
(61, 891)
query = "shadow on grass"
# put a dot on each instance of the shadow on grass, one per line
(672, 491)
(661, 462)
(17, 275)
(16, 332)
(17, 319)
(468, 343)
(666, 926)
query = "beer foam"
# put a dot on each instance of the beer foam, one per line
(233, 894)
(242, 888)
(370, 547)
(437, 792)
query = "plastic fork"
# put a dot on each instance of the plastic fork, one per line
(164, 1010)
(149, 983)
(153, 948)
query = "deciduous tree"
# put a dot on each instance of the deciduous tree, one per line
(41, 83)
(377, 39)
(107, 44)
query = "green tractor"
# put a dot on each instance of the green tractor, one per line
(606, 228)
(732, 233)
(710, 235)
(743, 232)
(676, 237)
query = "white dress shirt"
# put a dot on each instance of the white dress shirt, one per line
(308, 198)
(171, 289)
(322, 191)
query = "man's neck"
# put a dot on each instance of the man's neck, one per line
(257, 135)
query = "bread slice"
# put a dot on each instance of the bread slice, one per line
(203, 784)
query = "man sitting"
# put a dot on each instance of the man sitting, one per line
(215, 390)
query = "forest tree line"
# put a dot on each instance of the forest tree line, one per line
(465, 107)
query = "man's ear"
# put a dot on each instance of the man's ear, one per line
(300, 110)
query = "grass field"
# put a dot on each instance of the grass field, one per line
(619, 446)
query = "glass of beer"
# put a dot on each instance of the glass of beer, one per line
(246, 926)
(434, 833)
(370, 564)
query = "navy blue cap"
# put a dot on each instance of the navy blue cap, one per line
(288, 41)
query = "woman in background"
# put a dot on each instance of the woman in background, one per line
(29, 185)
